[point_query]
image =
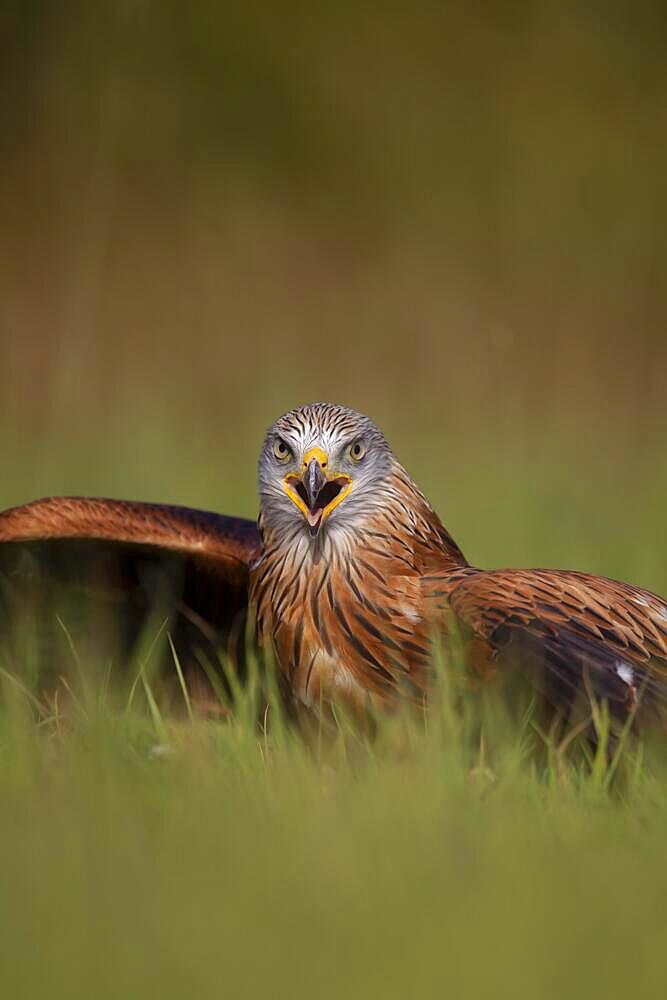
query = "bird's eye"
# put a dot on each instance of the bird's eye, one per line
(281, 450)
(357, 451)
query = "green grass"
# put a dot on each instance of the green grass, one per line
(146, 853)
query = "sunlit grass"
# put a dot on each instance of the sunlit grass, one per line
(149, 851)
(471, 851)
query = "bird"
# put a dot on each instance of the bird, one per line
(350, 577)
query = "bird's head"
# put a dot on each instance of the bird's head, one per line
(323, 469)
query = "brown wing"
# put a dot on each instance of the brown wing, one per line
(568, 629)
(123, 560)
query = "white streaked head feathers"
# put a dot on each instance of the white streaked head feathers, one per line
(336, 431)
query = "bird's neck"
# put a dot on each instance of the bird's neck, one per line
(409, 516)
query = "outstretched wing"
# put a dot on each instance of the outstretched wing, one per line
(571, 631)
(126, 559)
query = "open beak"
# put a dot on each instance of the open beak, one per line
(313, 481)
(316, 493)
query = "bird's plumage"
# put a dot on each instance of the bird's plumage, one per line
(228, 541)
(350, 575)
(566, 628)
(113, 564)
(349, 616)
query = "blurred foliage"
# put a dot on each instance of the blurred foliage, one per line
(453, 219)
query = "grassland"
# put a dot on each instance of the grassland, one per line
(144, 855)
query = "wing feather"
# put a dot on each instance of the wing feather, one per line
(571, 628)
(125, 558)
(231, 542)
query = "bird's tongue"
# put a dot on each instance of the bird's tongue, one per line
(326, 495)
(314, 517)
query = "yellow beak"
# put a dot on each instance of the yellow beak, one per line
(316, 492)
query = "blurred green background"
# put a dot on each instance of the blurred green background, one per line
(454, 219)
